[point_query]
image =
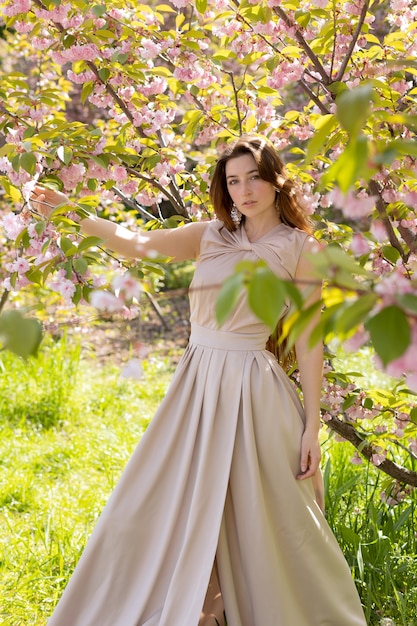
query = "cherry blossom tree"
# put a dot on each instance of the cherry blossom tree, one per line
(123, 106)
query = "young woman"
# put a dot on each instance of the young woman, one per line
(216, 509)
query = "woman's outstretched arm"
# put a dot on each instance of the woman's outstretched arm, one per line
(179, 244)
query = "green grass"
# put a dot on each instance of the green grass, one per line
(67, 428)
(57, 472)
(378, 541)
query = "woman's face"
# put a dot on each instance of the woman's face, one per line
(252, 195)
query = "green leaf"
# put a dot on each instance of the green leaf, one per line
(390, 253)
(227, 298)
(67, 246)
(201, 6)
(65, 154)
(80, 265)
(353, 314)
(19, 334)
(351, 165)
(86, 90)
(28, 162)
(104, 74)
(266, 296)
(390, 333)
(324, 127)
(353, 108)
(408, 301)
(294, 294)
(98, 10)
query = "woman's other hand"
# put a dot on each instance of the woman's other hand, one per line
(310, 455)
(44, 200)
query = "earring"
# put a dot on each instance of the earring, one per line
(277, 207)
(236, 215)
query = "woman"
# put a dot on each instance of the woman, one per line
(216, 507)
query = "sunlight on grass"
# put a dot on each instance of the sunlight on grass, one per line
(57, 475)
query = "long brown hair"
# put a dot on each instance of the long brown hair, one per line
(291, 212)
(271, 168)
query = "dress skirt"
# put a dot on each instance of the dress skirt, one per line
(213, 481)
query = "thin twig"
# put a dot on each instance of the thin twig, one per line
(313, 97)
(134, 204)
(381, 208)
(236, 97)
(353, 41)
(179, 208)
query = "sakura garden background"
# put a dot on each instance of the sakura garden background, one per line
(124, 106)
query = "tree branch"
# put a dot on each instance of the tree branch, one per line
(353, 41)
(298, 36)
(133, 204)
(380, 207)
(348, 432)
(180, 208)
(313, 97)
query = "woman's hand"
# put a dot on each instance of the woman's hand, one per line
(310, 455)
(45, 200)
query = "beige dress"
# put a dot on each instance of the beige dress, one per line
(213, 480)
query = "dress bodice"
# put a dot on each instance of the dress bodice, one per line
(220, 251)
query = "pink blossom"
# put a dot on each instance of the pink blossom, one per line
(378, 230)
(132, 369)
(411, 199)
(23, 27)
(58, 14)
(378, 457)
(119, 173)
(82, 77)
(5, 165)
(399, 5)
(61, 284)
(180, 4)
(357, 206)
(390, 195)
(285, 73)
(16, 7)
(21, 266)
(13, 225)
(356, 341)
(154, 86)
(126, 286)
(149, 49)
(77, 52)
(72, 175)
(411, 381)
(105, 301)
(356, 459)
(359, 245)
(130, 187)
(116, 14)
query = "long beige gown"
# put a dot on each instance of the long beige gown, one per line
(213, 481)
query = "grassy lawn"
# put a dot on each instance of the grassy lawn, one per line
(68, 426)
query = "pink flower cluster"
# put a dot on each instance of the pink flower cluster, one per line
(77, 52)
(62, 285)
(285, 73)
(125, 290)
(16, 7)
(353, 205)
